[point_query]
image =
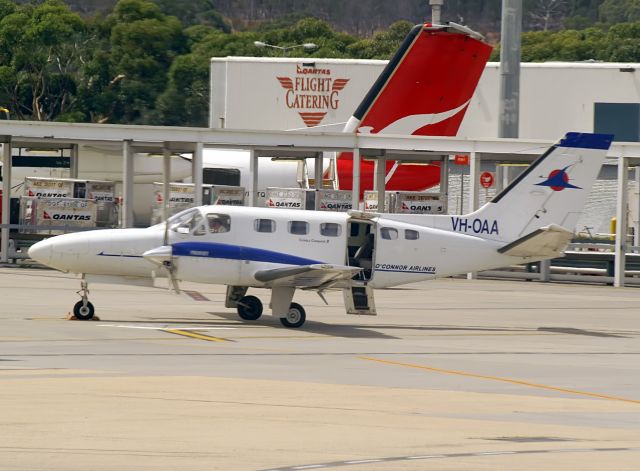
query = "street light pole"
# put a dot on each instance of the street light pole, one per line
(436, 7)
(285, 49)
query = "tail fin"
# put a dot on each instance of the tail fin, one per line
(426, 87)
(551, 192)
(425, 90)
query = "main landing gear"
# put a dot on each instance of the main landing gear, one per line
(295, 317)
(250, 309)
(83, 310)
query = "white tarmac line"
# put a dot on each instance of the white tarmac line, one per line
(189, 327)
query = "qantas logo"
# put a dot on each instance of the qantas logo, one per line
(66, 217)
(410, 124)
(44, 194)
(339, 206)
(283, 204)
(418, 207)
(312, 91)
(558, 180)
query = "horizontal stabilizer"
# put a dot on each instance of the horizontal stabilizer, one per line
(308, 276)
(546, 242)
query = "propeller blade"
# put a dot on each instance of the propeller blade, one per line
(173, 281)
(163, 257)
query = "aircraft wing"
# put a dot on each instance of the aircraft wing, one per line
(546, 242)
(306, 276)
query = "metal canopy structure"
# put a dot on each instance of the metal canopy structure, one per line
(286, 144)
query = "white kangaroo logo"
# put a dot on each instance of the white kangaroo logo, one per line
(410, 124)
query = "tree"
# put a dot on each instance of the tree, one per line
(383, 44)
(41, 54)
(622, 44)
(143, 41)
(195, 12)
(186, 98)
(547, 14)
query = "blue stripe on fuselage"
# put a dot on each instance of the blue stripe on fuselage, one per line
(237, 252)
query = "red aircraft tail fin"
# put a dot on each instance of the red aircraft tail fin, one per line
(425, 90)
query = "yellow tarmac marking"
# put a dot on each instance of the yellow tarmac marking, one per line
(504, 380)
(194, 335)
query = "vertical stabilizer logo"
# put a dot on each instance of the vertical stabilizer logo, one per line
(558, 180)
(312, 92)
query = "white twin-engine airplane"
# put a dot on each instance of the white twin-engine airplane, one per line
(283, 250)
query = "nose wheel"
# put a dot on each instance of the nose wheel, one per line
(83, 310)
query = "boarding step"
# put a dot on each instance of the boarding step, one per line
(358, 300)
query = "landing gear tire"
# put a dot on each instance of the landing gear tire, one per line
(250, 308)
(83, 312)
(295, 317)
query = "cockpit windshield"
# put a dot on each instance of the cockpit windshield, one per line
(187, 220)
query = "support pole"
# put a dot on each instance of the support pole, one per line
(379, 185)
(499, 178)
(474, 191)
(474, 181)
(6, 197)
(317, 169)
(509, 107)
(436, 8)
(166, 180)
(444, 182)
(636, 223)
(355, 180)
(73, 161)
(545, 270)
(621, 222)
(196, 173)
(127, 184)
(253, 185)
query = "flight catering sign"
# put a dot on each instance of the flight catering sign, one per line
(312, 92)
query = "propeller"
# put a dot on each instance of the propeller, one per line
(169, 264)
(163, 257)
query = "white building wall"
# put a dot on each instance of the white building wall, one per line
(555, 97)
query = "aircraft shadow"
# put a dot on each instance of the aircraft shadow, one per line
(315, 327)
(230, 319)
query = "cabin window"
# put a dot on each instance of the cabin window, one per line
(264, 225)
(299, 227)
(410, 234)
(218, 223)
(389, 233)
(330, 229)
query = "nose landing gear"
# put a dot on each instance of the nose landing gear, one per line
(83, 310)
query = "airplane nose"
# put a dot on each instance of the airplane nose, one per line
(41, 251)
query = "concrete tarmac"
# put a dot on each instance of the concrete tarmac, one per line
(451, 375)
